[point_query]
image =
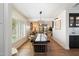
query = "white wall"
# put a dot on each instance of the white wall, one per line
(7, 28)
(17, 15)
(60, 34)
(1, 30)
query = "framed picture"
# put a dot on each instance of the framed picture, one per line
(58, 24)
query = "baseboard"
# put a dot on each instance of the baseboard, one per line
(23, 44)
(19, 43)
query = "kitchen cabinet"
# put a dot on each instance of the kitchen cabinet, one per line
(74, 20)
(74, 41)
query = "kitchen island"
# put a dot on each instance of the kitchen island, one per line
(40, 43)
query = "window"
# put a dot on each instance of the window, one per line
(18, 30)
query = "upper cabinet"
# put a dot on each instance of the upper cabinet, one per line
(77, 20)
(74, 20)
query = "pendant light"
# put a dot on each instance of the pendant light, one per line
(40, 17)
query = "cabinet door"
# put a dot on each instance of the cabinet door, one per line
(77, 21)
(74, 19)
(77, 42)
(72, 42)
(71, 18)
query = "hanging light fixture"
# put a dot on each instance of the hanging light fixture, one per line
(40, 17)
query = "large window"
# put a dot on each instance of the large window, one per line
(18, 30)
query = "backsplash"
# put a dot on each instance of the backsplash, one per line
(74, 31)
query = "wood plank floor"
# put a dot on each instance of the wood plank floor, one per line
(54, 49)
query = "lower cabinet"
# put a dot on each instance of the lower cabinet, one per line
(74, 41)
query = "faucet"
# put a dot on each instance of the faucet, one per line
(73, 31)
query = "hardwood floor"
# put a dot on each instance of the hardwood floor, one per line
(26, 49)
(54, 49)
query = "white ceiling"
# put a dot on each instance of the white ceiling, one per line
(49, 10)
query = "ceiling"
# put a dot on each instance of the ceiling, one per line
(49, 10)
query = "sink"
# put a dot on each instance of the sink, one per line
(73, 33)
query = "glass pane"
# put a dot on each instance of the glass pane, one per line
(77, 18)
(77, 24)
(70, 24)
(77, 21)
(71, 18)
(71, 21)
(13, 30)
(18, 30)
